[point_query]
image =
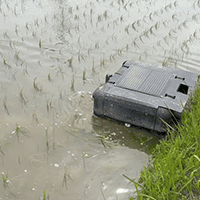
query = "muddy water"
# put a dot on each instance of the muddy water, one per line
(53, 55)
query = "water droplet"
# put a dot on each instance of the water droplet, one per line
(127, 125)
(56, 165)
(87, 186)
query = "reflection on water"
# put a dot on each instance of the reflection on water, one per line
(53, 55)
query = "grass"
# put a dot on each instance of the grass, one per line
(174, 172)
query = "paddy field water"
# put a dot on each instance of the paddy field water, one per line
(53, 55)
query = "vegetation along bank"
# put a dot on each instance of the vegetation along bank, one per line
(174, 172)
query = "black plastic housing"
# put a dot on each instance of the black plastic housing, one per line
(145, 96)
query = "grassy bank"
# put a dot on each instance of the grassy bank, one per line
(174, 172)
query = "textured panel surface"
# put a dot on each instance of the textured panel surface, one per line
(145, 80)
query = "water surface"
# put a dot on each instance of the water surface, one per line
(53, 55)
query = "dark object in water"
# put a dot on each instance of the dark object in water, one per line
(144, 95)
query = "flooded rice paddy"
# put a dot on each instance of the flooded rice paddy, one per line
(53, 55)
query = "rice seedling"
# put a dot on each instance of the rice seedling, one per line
(54, 143)
(6, 35)
(126, 29)
(45, 197)
(22, 98)
(45, 18)
(175, 4)
(105, 14)
(5, 105)
(102, 62)
(60, 70)
(83, 156)
(17, 58)
(133, 25)
(64, 182)
(185, 23)
(93, 67)
(96, 45)
(35, 117)
(164, 63)
(7, 183)
(47, 141)
(36, 23)
(34, 34)
(1, 150)
(6, 64)
(72, 83)
(125, 6)
(19, 160)
(76, 17)
(27, 26)
(36, 86)
(139, 22)
(157, 25)
(49, 78)
(121, 18)
(84, 75)
(20, 130)
(40, 43)
(16, 30)
(47, 106)
(127, 47)
(102, 194)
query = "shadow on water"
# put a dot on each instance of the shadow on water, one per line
(126, 134)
